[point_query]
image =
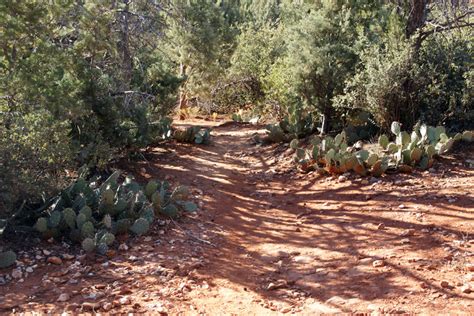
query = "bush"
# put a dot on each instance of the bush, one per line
(35, 157)
(445, 81)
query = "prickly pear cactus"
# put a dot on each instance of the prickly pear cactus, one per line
(93, 214)
(88, 244)
(41, 225)
(7, 259)
(140, 226)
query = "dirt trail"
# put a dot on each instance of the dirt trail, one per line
(268, 240)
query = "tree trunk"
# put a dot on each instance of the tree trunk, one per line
(183, 99)
(124, 46)
(417, 16)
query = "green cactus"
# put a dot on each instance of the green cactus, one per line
(69, 217)
(415, 154)
(468, 136)
(377, 169)
(294, 144)
(190, 207)
(395, 128)
(339, 139)
(406, 156)
(107, 221)
(362, 155)
(372, 159)
(121, 226)
(140, 226)
(350, 162)
(383, 141)
(87, 211)
(107, 239)
(430, 151)
(392, 148)
(88, 245)
(107, 197)
(424, 162)
(403, 139)
(156, 200)
(87, 230)
(151, 188)
(148, 214)
(119, 206)
(81, 218)
(54, 219)
(79, 186)
(315, 152)
(170, 210)
(41, 225)
(7, 259)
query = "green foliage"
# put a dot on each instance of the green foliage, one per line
(86, 83)
(94, 214)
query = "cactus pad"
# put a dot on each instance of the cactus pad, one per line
(7, 259)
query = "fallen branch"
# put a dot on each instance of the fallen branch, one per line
(192, 236)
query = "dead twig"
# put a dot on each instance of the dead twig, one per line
(192, 236)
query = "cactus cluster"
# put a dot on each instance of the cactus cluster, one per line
(333, 155)
(193, 134)
(417, 149)
(296, 124)
(407, 151)
(93, 214)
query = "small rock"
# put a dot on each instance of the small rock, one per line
(46, 252)
(380, 226)
(107, 306)
(378, 263)
(469, 277)
(54, 260)
(64, 297)
(88, 306)
(470, 267)
(402, 206)
(444, 284)
(68, 256)
(29, 270)
(336, 301)
(365, 181)
(277, 285)
(285, 310)
(123, 247)
(17, 274)
(342, 178)
(303, 259)
(424, 285)
(124, 300)
(466, 288)
(407, 232)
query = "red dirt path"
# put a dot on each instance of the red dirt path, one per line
(268, 240)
